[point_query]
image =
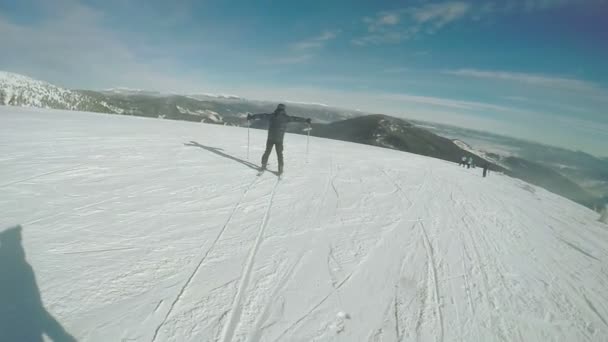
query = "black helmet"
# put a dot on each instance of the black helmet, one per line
(281, 107)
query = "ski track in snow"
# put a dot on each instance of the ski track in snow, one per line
(202, 260)
(235, 312)
(134, 236)
(432, 279)
(42, 175)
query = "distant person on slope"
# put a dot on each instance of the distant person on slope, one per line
(486, 167)
(469, 162)
(277, 124)
(463, 161)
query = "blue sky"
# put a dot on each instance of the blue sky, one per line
(533, 69)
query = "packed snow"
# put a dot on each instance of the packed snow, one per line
(141, 229)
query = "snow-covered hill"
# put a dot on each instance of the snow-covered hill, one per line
(22, 91)
(152, 230)
(19, 90)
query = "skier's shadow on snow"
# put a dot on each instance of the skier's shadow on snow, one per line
(219, 152)
(22, 315)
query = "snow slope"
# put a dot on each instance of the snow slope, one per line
(156, 230)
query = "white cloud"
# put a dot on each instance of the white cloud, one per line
(391, 27)
(71, 47)
(590, 127)
(382, 38)
(315, 42)
(389, 19)
(534, 79)
(303, 51)
(443, 102)
(327, 35)
(441, 14)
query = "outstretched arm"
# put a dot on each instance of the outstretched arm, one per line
(299, 119)
(257, 116)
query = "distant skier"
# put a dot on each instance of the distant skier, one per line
(486, 168)
(277, 124)
(469, 162)
(463, 161)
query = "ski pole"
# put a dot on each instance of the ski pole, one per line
(307, 141)
(248, 124)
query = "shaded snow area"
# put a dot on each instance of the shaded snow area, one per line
(137, 229)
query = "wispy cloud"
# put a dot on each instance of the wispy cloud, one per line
(439, 15)
(78, 49)
(396, 70)
(389, 19)
(445, 103)
(390, 27)
(303, 51)
(382, 20)
(407, 23)
(286, 60)
(383, 38)
(315, 42)
(534, 79)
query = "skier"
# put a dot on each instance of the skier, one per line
(486, 166)
(277, 124)
(469, 162)
(463, 161)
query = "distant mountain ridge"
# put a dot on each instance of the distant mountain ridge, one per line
(19, 90)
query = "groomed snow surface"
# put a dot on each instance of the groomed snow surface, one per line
(154, 230)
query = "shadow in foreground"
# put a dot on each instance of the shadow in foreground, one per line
(219, 152)
(23, 318)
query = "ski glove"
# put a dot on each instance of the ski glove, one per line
(308, 121)
(249, 116)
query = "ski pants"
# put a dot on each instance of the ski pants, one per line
(278, 147)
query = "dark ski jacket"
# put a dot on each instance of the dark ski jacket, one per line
(277, 124)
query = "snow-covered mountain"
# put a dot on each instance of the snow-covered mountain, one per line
(19, 90)
(135, 229)
(23, 91)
